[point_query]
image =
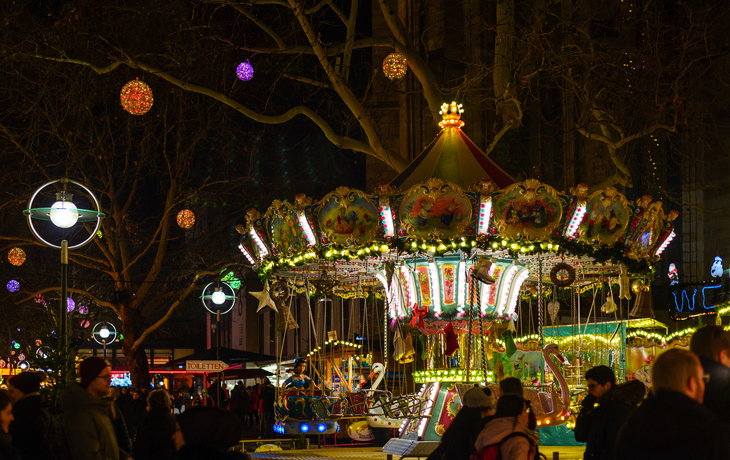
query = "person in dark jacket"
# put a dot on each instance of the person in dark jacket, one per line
(124, 441)
(712, 344)
(208, 433)
(673, 424)
(457, 443)
(268, 398)
(87, 430)
(155, 432)
(599, 425)
(33, 430)
(7, 451)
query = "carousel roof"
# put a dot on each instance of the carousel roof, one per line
(452, 157)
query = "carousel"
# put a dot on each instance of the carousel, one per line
(462, 257)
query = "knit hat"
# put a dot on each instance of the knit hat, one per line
(475, 397)
(28, 382)
(90, 368)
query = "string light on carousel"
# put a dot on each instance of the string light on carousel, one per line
(136, 97)
(453, 245)
(395, 66)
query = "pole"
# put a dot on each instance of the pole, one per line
(63, 314)
(218, 355)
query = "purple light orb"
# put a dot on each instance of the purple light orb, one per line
(71, 304)
(13, 286)
(83, 309)
(244, 71)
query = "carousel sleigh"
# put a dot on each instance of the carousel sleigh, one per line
(304, 412)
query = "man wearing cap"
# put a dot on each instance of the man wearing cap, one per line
(87, 429)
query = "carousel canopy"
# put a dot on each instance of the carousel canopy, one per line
(452, 157)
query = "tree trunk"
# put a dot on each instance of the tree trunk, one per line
(137, 363)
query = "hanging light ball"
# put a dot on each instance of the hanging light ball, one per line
(16, 256)
(71, 304)
(395, 66)
(636, 287)
(13, 286)
(136, 97)
(244, 71)
(186, 219)
(83, 309)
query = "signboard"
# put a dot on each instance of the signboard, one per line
(688, 300)
(7, 371)
(205, 366)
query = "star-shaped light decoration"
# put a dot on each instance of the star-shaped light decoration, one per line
(265, 299)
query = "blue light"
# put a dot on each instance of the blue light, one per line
(304, 428)
(321, 427)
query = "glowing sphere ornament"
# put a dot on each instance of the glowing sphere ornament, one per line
(16, 256)
(64, 214)
(83, 309)
(71, 304)
(244, 71)
(186, 219)
(395, 66)
(136, 97)
(13, 286)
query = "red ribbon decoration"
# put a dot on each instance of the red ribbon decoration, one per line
(419, 314)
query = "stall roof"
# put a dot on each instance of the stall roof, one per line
(230, 356)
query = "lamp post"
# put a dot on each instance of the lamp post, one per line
(64, 214)
(218, 297)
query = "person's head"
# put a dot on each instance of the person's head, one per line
(135, 395)
(125, 390)
(299, 366)
(476, 398)
(158, 399)
(6, 410)
(600, 379)
(511, 386)
(711, 342)
(678, 370)
(512, 406)
(96, 376)
(25, 383)
(210, 427)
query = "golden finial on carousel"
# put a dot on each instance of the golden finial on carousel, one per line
(451, 115)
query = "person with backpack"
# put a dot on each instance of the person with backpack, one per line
(457, 443)
(506, 437)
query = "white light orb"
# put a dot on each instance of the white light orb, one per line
(64, 214)
(104, 333)
(218, 297)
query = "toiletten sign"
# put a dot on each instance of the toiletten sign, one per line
(205, 366)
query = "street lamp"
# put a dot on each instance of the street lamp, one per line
(64, 214)
(218, 297)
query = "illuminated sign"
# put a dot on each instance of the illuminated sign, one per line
(688, 300)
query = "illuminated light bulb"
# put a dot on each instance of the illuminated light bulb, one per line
(64, 214)
(218, 297)
(104, 333)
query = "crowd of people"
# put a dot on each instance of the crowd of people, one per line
(99, 422)
(685, 415)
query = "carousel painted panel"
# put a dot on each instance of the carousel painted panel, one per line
(347, 217)
(606, 218)
(435, 209)
(638, 216)
(285, 230)
(529, 210)
(423, 284)
(647, 231)
(257, 234)
(448, 410)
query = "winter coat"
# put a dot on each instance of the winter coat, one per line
(87, 431)
(673, 426)
(154, 436)
(268, 398)
(717, 390)
(515, 448)
(7, 451)
(120, 430)
(254, 399)
(33, 430)
(599, 426)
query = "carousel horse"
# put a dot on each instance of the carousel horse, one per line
(549, 409)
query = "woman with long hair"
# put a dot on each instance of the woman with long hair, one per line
(508, 430)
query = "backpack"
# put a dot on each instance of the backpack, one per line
(493, 451)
